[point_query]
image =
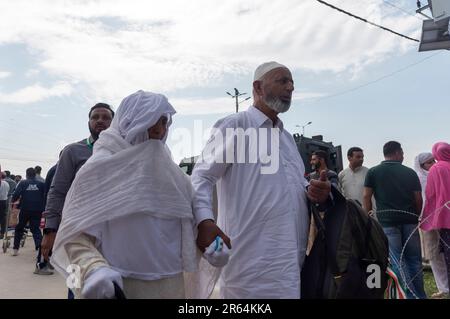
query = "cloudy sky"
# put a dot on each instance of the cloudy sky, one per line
(358, 84)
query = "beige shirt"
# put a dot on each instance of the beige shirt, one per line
(352, 182)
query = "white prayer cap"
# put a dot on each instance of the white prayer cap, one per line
(265, 68)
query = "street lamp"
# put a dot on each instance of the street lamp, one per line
(303, 127)
(236, 96)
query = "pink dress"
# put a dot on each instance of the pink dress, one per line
(436, 213)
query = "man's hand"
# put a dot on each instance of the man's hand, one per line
(319, 190)
(207, 233)
(47, 244)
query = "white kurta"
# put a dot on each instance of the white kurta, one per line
(352, 182)
(141, 246)
(265, 215)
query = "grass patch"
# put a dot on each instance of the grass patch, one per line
(429, 283)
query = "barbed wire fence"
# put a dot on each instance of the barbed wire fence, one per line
(401, 262)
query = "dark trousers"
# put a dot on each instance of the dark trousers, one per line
(35, 220)
(3, 211)
(445, 246)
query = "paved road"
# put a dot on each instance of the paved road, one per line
(18, 281)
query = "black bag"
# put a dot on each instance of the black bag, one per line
(348, 241)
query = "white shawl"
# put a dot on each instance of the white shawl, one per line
(421, 173)
(121, 179)
(139, 179)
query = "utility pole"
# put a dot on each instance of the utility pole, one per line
(236, 97)
(303, 127)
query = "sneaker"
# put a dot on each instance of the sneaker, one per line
(15, 252)
(50, 266)
(43, 271)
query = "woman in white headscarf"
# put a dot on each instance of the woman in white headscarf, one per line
(128, 216)
(430, 239)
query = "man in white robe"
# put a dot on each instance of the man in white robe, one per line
(262, 205)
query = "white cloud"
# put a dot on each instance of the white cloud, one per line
(35, 93)
(32, 73)
(194, 106)
(4, 74)
(116, 47)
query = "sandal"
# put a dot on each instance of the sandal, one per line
(439, 295)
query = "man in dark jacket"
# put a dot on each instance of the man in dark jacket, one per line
(31, 193)
(70, 161)
(43, 267)
(49, 179)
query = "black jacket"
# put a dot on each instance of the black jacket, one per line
(32, 195)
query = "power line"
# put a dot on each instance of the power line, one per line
(366, 21)
(401, 9)
(377, 80)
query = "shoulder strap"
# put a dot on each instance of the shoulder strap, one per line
(364, 246)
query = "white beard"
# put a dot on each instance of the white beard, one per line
(277, 104)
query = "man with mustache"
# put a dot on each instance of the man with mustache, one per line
(319, 164)
(264, 215)
(352, 178)
(71, 159)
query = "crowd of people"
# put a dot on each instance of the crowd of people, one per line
(397, 197)
(117, 206)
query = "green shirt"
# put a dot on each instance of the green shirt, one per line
(394, 185)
